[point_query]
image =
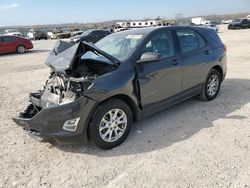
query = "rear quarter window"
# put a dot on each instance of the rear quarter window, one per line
(212, 37)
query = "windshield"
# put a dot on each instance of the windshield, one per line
(119, 45)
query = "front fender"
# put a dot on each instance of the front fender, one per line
(114, 83)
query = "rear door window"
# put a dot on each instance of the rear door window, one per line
(8, 39)
(190, 40)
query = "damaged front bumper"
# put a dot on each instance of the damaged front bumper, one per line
(66, 123)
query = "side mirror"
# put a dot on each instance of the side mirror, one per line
(148, 57)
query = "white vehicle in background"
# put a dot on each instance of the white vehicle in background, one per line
(227, 21)
(199, 21)
(211, 26)
(35, 34)
(49, 34)
(31, 34)
(75, 31)
(13, 32)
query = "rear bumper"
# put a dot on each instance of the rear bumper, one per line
(48, 123)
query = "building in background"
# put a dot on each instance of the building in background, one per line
(145, 23)
(120, 26)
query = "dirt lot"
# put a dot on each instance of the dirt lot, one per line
(193, 144)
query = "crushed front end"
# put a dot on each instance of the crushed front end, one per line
(61, 110)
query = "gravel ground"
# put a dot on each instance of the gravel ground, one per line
(193, 144)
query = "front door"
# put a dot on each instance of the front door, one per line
(8, 44)
(161, 80)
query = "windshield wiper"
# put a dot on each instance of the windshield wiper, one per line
(95, 49)
(96, 53)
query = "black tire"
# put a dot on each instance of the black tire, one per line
(205, 96)
(21, 49)
(99, 114)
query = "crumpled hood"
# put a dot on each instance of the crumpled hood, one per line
(63, 55)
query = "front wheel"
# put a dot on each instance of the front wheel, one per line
(212, 85)
(110, 124)
(21, 49)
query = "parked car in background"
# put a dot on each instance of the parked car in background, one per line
(75, 32)
(60, 34)
(12, 44)
(211, 26)
(239, 24)
(96, 91)
(35, 34)
(13, 32)
(92, 35)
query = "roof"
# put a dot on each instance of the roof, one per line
(141, 31)
(147, 30)
(13, 36)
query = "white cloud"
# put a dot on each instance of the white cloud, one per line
(5, 7)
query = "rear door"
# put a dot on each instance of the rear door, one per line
(1, 45)
(195, 55)
(161, 80)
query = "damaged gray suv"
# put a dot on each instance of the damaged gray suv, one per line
(95, 92)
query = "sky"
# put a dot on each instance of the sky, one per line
(30, 12)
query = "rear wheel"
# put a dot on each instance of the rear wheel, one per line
(110, 124)
(212, 85)
(21, 49)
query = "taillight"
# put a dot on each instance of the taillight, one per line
(225, 47)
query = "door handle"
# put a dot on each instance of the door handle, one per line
(207, 52)
(175, 62)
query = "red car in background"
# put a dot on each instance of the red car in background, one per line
(12, 44)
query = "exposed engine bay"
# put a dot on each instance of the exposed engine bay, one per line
(71, 75)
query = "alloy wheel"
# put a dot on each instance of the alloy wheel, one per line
(21, 49)
(213, 85)
(113, 125)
